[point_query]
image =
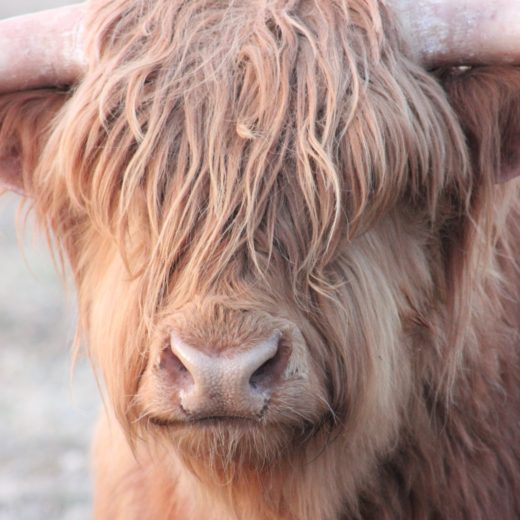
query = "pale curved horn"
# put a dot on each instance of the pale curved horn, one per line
(42, 49)
(461, 32)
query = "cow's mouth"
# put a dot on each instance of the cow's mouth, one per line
(209, 421)
(216, 441)
(221, 443)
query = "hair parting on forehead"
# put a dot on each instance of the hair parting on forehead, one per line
(208, 132)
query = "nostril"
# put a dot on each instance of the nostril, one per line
(268, 374)
(179, 363)
(262, 372)
(170, 363)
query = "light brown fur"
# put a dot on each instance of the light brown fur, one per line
(227, 165)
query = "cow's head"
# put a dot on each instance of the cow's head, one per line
(269, 210)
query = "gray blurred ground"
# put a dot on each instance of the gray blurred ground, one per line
(46, 416)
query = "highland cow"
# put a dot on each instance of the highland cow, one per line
(294, 248)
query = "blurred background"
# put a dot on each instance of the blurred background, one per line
(47, 413)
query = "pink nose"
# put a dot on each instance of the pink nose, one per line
(233, 384)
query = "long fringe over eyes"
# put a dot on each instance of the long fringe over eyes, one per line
(257, 126)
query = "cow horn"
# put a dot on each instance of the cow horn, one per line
(461, 32)
(42, 49)
(46, 48)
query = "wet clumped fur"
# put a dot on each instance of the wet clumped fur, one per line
(231, 160)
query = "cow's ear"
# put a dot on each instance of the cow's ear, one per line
(11, 173)
(487, 102)
(25, 123)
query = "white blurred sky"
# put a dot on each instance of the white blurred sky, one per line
(45, 419)
(16, 7)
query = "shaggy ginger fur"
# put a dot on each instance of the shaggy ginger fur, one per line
(229, 166)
